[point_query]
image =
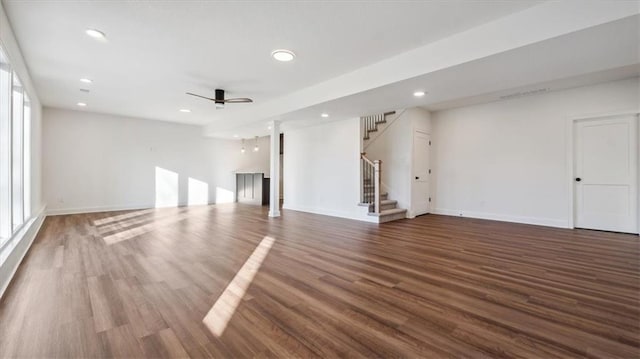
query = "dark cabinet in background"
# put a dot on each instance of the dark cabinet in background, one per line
(252, 188)
(265, 191)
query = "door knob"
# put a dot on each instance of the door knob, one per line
(578, 179)
(417, 177)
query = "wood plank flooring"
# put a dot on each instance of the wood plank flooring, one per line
(140, 283)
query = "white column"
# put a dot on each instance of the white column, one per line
(274, 182)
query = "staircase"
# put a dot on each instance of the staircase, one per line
(370, 123)
(378, 202)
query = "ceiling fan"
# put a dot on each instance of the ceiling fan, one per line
(220, 100)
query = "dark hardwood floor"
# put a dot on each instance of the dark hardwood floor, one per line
(227, 281)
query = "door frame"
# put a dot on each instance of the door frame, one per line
(570, 156)
(412, 213)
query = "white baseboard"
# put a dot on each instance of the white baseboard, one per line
(332, 213)
(24, 238)
(115, 208)
(549, 222)
(63, 211)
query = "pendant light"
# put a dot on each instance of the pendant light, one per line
(256, 148)
(242, 149)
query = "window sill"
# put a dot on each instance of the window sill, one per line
(13, 251)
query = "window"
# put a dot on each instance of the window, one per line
(15, 152)
(5, 149)
(26, 158)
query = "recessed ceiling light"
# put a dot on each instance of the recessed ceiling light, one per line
(419, 93)
(81, 104)
(236, 136)
(86, 81)
(96, 34)
(283, 55)
(325, 115)
(268, 127)
(185, 110)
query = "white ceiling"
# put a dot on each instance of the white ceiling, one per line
(602, 53)
(156, 51)
(591, 53)
(353, 57)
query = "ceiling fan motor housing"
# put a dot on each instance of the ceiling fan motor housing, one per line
(219, 98)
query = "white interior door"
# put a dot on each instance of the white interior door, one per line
(421, 173)
(606, 174)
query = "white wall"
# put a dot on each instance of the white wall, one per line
(322, 170)
(507, 160)
(96, 162)
(18, 245)
(393, 145)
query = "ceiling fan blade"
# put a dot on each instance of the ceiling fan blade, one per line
(238, 100)
(192, 94)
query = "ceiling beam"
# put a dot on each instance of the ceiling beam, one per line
(536, 24)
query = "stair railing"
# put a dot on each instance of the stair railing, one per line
(370, 123)
(370, 183)
(368, 140)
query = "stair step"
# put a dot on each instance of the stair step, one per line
(383, 195)
(385, 204)
(388, 212)
(390, 215)
(388, 204)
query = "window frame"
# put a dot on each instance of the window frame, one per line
(17, 153)
(15, 162)
(6, 157)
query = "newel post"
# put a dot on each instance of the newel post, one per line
(377, 164)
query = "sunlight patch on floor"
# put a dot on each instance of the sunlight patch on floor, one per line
(144, 228)
(120, 217)
(222, 311)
